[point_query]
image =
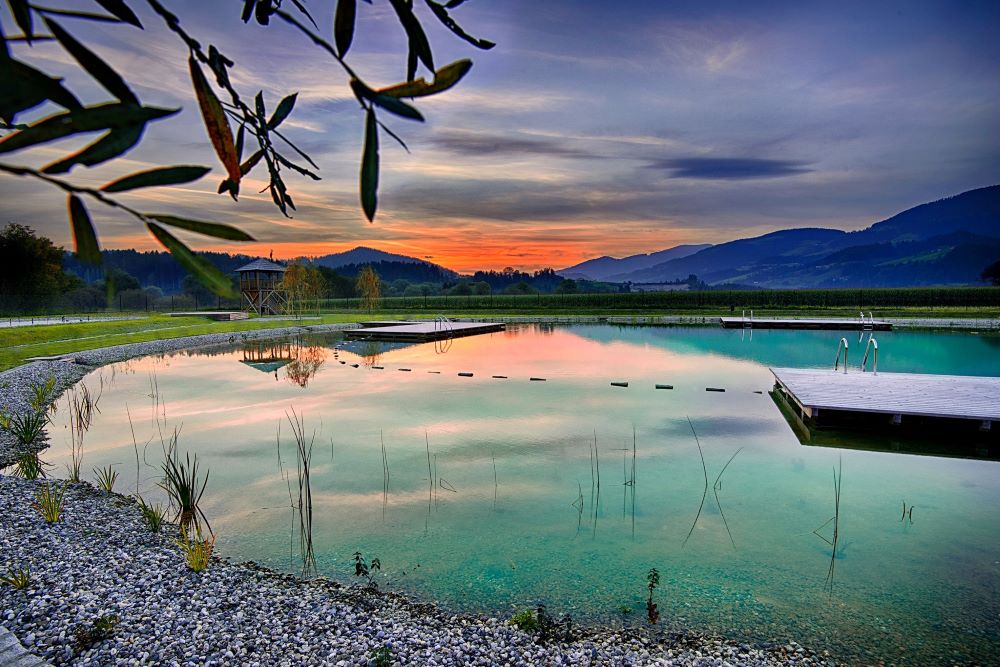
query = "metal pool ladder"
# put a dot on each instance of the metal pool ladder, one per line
(841, 346)
(747, 324)
(872, 345)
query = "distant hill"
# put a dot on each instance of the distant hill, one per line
(150, 268)
(361, 255)
(946, 242)
(607, 268)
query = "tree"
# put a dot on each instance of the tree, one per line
(369, 289)
(303, 284)
(567, 286)
(124, 118)
(991, 273)
(31, 271)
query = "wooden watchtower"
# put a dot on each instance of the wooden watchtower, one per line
(260, 285)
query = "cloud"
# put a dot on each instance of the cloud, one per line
(730, 168)
(480, 144)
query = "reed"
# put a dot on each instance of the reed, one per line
(704, 494)
(303, 462)
(26, 427)
(716, 487)
(154, 515)
(29, 466)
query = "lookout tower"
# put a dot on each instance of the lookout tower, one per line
(260, 285)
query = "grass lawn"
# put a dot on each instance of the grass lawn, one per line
(20, 343)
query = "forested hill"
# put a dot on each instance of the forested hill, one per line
(150, 268)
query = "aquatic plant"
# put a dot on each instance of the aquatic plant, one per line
(17, 578)
(81, 413)
(153, 514)
(198, 551)
(652, 581)
(100, 628)
(40, 393)
(303, 457)
(24, 426)
(382, 656)
(525, 620)
(365, 569)
(29, 466)
(49, 501)
(184, 486)
(106, 478)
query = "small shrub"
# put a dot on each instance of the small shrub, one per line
(525, 620)
(40, 393)
(153, 514)
(19, 578)
(652, 581)
(100, 629)
(363, 569)
(49, 501)
(106, 478)
(29, 466)
(197, 552)
(382, 657)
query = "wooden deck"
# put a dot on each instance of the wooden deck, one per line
(900, 395)
(422, 331)
(834, 324)
(223, 315)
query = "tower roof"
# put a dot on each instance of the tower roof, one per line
(262, 265)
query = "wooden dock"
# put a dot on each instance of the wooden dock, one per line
(422, 331)
(827, 397)
(829, 324)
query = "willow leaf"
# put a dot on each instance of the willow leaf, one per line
(94, 66)
(414, 32)
(213, 229)
(343, 25)
(207, 275)
(120, 10)
(22, 16)
(108, 147)
(215, 121)
(26, 87)
(281, 113)
(387, 102)
(369, 167)
(88, 119)
(441, 12)
(84, 236)
(156, 177)
(444, 78)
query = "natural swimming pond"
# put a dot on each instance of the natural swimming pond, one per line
(489, 497)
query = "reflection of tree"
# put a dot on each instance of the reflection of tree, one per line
(371, 352)
(306, 363)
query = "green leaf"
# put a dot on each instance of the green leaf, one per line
(442, 15)
(207, 275)
(444, 78)
(121, 10)
(25, 87)
(369, 167)
(387, 102)
(281, 113)
(343, 25)
(84, 236)
(110, 116)
(96, 67)
(215, 121)
(239, 140)
(247, 10)
(414, 32)
(108, 147)
(251, 162)
(22, 16)
(213, 229)
(155, 177)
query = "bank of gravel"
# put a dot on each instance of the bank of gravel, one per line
(101, 560)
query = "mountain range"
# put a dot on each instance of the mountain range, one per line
(362, 255)
(946, 242)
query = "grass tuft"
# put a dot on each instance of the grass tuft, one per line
(106, 478)
(185, 487)
(29, 466)
(153, 514)
(198, 551)
(17, 578)
(49, 501)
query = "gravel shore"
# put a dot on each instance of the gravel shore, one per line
(101, 561)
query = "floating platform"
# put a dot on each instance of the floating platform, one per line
(221, 315)
(897, 402)
(831, 324)
(422, 331)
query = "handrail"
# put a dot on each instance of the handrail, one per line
(836, 363)
(872, 344)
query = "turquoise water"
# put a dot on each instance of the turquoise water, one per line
(510, 514)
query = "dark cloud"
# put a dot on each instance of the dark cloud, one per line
(480, 144)
(730, 168)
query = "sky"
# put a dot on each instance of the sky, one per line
(592, 128)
